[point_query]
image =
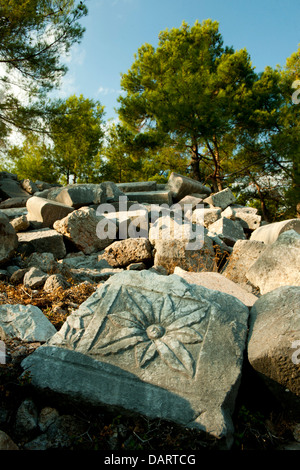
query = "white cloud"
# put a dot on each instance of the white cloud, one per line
(107, 91)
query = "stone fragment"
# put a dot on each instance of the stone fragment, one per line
(230, 231)
(18, 276)
(210, 215)
(243, 256)
(10, 188)
(181, 243)
(138, 187)
(54, 282)
(112, 192)
(8, 239)
(6, 443)
(181, 186)
(151, 197)
(82, 228)
(79, 195)
(14, 202)
(46, 211)
(29, 186)
(26, 322)
(124, 252)
(278, 265)
(221, 199)
(20, 224)
(26, 418)
(41, 241)
(274, 342)
(216, 281)
(47, 417)
(43, 261)
(269, 233)
(247, 216)
(154, 345)
(34, 278)
(14, 212)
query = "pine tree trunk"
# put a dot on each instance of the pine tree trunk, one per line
(195, 163)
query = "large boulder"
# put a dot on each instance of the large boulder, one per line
(278, 265)
(270, 232)
(82, 229)
(46, 211)
(26, 322)
(8, 239)
(154, 345)
(273, 342)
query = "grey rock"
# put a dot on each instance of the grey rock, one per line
(124, 252)
(46, 211)
(43, 261)
(47, 417)
(247, 216)
(26, 418)
(278, 265)
(34, 278)
(79, 195)
(54, 282)
(26, 322)
(151, 197)
(273, 343)
(20, 224)
(29, 186)
(221, 199)
(137, 187)
(152, 344)
(230, 231)
(245, 253)
(8, 238)
(216, 281)
(10, 188)
(209, 215)
(44, 240)
(181, 186)
(6, 443)
(82, 228)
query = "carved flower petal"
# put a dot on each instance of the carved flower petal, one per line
(111, 345)
(175, 355)
(145, 352)
(138, 304)
(186, 320)
(186, 335)
(125, 319)
(167, 313)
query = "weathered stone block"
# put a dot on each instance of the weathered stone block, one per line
(269, 233)
(151, 344)
(46, 211)
(26, 322)
(138, 186)
(8, 239)
(221, 199)
(278, 265)
(273, 342)
(181, 186)
(230, 231)
(42, 241)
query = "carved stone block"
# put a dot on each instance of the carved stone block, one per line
(154, 345)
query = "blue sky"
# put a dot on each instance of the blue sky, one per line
(115, 29)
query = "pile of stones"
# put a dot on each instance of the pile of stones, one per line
(189, 285)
